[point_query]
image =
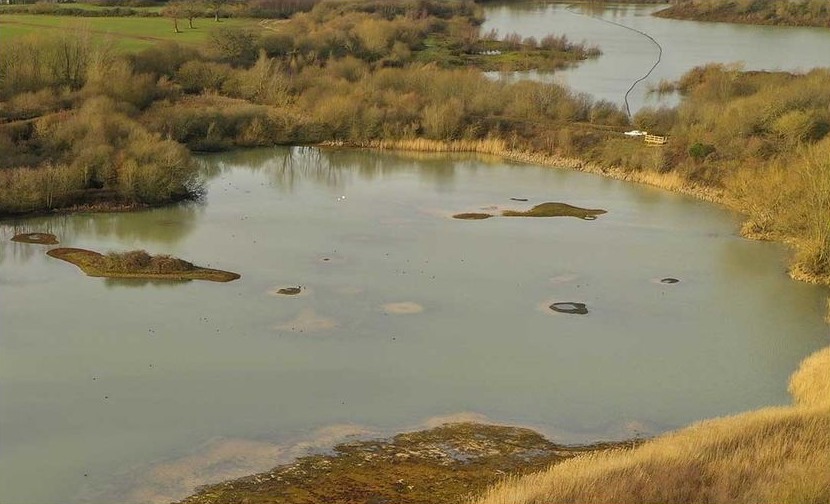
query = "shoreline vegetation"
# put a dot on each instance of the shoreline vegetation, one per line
(138, 264)
(758, 12)
(438, 465)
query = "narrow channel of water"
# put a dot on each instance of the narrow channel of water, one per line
(125, 391)
(627, 56)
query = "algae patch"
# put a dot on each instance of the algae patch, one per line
(554, 209)
(138, 264)
(439, 465)
(36, 238)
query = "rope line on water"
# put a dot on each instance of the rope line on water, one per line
(644, 34)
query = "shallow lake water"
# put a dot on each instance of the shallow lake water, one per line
(131, 391)
(628, 55)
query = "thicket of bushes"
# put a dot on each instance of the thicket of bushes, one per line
(79, 141)
(139, 261)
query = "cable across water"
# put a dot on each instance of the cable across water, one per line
(644, 34)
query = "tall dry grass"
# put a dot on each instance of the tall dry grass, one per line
(773, 455)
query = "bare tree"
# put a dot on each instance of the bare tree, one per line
(173, 10)
(191, 9)
(216, 7)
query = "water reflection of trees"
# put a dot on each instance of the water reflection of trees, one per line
(167, 225)
(287, 167)
(132, 283)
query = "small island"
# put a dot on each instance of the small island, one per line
(138, 264)
(472, 216)
(550, 209)
(36, 238)
(556, 210)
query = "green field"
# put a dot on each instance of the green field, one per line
(87, 6)
(127, 33)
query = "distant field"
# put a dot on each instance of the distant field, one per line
(128, 33)
(88, 6)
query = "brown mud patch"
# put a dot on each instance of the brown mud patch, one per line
(156, 267)
(440, 465)
(36, 238)
(555, 209)
(472, 216)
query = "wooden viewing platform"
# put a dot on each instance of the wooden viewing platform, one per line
(656, 140)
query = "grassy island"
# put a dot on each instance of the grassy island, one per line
(138, 264)
(36, 238)
(556, 210)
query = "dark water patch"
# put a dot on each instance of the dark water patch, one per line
(518, 199)
(669, 280)
(290, 291)
(36, 238)
(570, 308)
(555, 209)
(472, 216)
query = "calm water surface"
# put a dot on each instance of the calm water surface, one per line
(627, 55)
(125, 391)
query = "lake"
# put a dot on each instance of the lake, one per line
(133, 391)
